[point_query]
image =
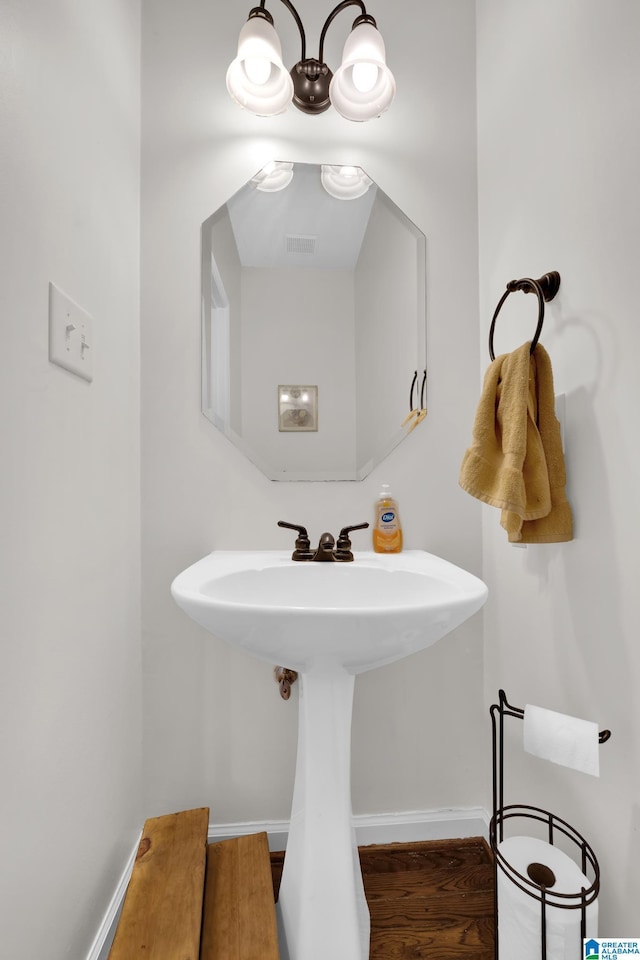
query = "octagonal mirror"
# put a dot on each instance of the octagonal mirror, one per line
(313, 322)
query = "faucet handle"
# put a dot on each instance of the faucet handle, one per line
(303, 544)
(343, 546)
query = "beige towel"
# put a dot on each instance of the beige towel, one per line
(515, 461)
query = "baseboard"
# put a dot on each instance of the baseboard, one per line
(104, 937)
(276, 831)
(408, 827)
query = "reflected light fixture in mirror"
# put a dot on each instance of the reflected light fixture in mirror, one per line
(273, 177)
(363, 87)
(344, 183)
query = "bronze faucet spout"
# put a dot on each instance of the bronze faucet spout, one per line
(326, 548)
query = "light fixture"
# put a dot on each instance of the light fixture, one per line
(344, 183)
(362, 88)
(273, 177)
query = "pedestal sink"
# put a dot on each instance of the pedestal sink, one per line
(329, 621)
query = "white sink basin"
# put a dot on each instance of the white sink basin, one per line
(329, 621)
(305, 615)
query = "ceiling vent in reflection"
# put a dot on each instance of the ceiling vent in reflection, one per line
(298, 243)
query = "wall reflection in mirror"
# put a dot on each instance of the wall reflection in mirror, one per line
(311, 275)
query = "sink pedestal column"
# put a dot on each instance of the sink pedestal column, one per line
(322, 906)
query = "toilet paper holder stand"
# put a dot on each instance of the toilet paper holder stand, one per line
(540, 879)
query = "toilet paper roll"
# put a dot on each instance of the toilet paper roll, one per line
(562, 739)
(519, 915)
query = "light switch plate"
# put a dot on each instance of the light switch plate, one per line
(70, 334)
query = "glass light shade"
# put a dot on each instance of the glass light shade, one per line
(363, 87)
(274, 177)
(344, 183)
(257, 79)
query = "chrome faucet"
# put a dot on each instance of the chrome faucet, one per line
(328, 549)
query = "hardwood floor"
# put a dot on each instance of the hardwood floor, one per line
(427, 900)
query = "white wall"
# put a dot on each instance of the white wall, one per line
(298, 327)
(70, 807)
(559, 154)
(225, 328)
(216, 731)
(387, 288)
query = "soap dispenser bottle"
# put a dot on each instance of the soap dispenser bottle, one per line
(387, 531)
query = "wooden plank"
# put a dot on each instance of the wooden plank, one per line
(435, 912)
(455, 879)
(431, 900)
(162, 911)
(471, 942)
(440, 927)
(424, 856)
(239, 920)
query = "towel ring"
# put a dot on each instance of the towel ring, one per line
(545, 288)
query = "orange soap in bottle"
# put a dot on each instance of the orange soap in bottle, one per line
(387, 531)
